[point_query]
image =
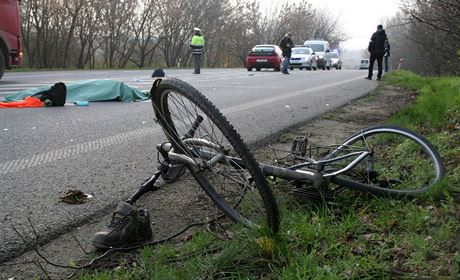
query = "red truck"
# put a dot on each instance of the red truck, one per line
(10, 35)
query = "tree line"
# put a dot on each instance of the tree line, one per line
(147, 33)
(426, 35)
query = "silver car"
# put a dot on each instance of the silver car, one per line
(303, 58)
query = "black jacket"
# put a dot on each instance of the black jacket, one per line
(378, 42)
(286, 46)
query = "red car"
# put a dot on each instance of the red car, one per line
(264, 56)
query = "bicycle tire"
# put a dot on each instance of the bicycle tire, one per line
(176, 105)
(410, 164)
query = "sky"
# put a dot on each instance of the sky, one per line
(359, 18)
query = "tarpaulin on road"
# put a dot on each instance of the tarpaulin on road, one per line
(91, 90)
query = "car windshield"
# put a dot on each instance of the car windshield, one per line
(364, 61)
(263, 49)
(317, 47)
(301, 51)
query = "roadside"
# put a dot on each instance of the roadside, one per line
(333, 127)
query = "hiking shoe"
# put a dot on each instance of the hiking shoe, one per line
(368, 78)
(128, 227)
(378, 79)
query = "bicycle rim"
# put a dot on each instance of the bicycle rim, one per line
(400, 162)
(241, 193)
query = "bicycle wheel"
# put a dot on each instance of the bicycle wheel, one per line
(400, 162)
(233, 180)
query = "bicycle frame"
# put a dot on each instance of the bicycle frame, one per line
(315, 175)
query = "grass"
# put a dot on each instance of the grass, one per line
(358, 238)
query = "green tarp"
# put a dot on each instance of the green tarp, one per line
(91, 90)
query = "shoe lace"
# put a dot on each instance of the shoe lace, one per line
(118, 219)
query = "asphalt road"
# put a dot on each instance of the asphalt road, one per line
(108, 148)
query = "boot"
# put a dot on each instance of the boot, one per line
(128, 227)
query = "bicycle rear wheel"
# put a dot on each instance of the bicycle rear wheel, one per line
(401, 162)
(233, 179)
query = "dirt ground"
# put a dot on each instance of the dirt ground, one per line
(171, 207)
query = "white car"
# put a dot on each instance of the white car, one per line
(364, 63)
(303, 58)
(321, 48)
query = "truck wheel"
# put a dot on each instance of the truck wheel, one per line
(2, 64)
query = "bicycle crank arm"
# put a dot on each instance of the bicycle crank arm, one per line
(147, 186)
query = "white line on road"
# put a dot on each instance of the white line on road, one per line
(280, 97)
(85, 147)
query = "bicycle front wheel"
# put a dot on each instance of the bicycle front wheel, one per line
(224, 169)
(400, 162)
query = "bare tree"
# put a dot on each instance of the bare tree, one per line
(109, 33)
(145, 27)
(428, 36)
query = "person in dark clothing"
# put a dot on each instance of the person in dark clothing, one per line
(377, 50)
(387, 54)
(286, 46)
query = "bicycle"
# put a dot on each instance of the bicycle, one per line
(202, 141)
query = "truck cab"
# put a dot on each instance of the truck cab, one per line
(10, 35)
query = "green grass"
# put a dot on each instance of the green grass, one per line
(438, 102)
(360, 238)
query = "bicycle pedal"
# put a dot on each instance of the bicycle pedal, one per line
(299, 146)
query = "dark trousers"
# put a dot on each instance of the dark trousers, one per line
(196, 62)
(379, 57)
(386, 63)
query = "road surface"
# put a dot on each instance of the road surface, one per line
(108, 148)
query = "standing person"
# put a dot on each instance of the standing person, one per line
(286, 46)
(377, 50)
(197, 45)
(387, 54)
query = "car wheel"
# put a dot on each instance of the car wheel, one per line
(277, 69)
(300, 68)
(249, 69)
(257, 68)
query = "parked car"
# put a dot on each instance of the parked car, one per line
(320, 47)
(336, 60)
(303, 58)
(364, 64)
(264, 56)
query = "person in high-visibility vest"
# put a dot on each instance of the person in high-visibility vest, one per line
(197, 48)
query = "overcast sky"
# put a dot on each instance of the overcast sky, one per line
(359, 18)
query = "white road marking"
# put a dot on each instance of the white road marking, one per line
(280, 97)
(85, 147)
